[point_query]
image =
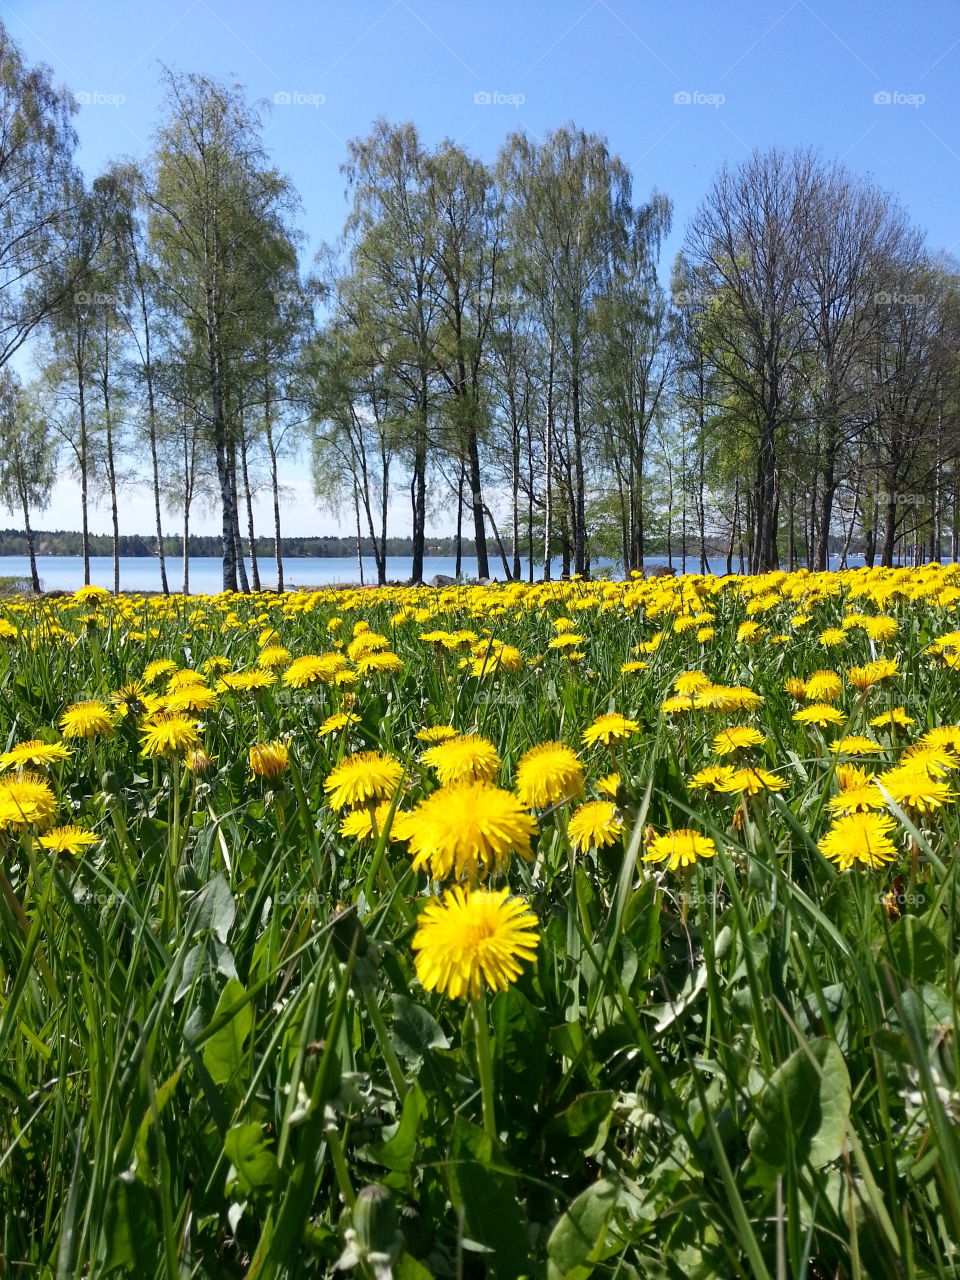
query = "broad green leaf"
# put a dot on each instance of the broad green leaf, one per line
(583, 1237)
(216, 909)
(224, 1052)
(254, 1162)
(131, 1228)
(915, 951)
(804, 1109)
(485, 1190)
(398, 1151)
(415, 1031)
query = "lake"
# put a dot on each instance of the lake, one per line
(143, 574)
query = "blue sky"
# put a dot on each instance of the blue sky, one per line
(676, 88)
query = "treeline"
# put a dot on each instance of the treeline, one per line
(13, 542)
(492, 343)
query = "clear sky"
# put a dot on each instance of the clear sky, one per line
(677, 86)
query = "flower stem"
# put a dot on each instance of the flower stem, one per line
(485, 1066)
(386, 1048)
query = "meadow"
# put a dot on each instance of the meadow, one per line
(567, 930)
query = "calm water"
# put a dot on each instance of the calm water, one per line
(143, 574)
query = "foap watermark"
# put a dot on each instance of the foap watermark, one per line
(895, 98)
(297, 898)
(695, 98)
(294, 98)
(901, 900)
(486, 98)
(94, 98)
(894, 298)
(82, 299)
(901, 499)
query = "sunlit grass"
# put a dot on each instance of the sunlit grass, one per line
(729, 1056)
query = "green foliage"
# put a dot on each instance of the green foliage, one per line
(205, 1066)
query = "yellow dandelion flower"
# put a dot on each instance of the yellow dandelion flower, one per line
(856, 799)
(713, 777)
(915, 790)
(872, 673)
(436, 733)
(274, 658)
(752, 781)
(822, 686)
(335, 723)
(464, 758)
(314, 669)
(548, 774)
(690, 682)
(245, 681)
(34, 755)
(26, 800)
(609, 785)
(859, 838)
(181, 679)
(737, 737)
(933, 761)
(750, 632)
(832, 636)
(360, 778)
(680, 848)
(944, 735)
(609, 728)
(855, 744)
(470, 940)
(595, 825)
(87, 720)
(193, 698)
(820, 714)
(67, 839)
(718, 697)
(365, 643)
(359, 824)
(881, 628)
(375, 664)
(468, 830)
(168, 734)
(269, 759)
(568, 640)
(895, 718)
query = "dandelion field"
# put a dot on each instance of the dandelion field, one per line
(566, 930)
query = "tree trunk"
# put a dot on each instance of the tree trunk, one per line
(248, 500)
(548, 472)
(186, 548)
(31, 548)
(275, 491)
(154, 458)
(84, 482)
(418, 485)
(458, 538)
(238, 556)
(476, 495)
(890, 529)
(578, 516)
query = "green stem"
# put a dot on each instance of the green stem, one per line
(339, 1160)
(485, 1066)
(387, 1049)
